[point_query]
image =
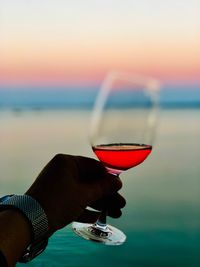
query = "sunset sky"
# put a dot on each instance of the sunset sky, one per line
(75, 42)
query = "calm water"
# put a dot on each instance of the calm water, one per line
(162, 216)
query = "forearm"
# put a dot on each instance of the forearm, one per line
(15, 235)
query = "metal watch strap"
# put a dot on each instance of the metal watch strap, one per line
(37, 218)
(33, 211)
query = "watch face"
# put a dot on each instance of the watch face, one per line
(2, 199)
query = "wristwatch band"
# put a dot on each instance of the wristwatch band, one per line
(37, 218)
(32, 210)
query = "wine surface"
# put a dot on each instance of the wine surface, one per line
(122, 156)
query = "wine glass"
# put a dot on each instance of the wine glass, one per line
(121, 135)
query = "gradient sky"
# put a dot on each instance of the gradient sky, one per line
(75, 42)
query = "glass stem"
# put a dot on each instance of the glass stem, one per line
(101, 222)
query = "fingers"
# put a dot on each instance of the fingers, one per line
(90, 170)
(114, 213)
(113, 204)
(114, 201)
(110, 184)
(93, 171)
(88, 216)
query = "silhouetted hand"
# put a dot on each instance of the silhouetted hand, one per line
(68, 184)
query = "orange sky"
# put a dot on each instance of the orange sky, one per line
(76, 45)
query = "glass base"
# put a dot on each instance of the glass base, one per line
(108, 236)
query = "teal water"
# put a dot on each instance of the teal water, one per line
(162, 215)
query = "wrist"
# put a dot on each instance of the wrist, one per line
(35, 217)
(15, 226)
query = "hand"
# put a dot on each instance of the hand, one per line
(68, 184)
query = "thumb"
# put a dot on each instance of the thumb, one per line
(108, 185)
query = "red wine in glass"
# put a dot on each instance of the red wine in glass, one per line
(121, 157)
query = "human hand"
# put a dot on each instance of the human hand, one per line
(68, 184)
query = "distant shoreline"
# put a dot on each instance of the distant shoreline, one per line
(84, 98)
(88, 108)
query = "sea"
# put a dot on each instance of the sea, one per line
(162, 216)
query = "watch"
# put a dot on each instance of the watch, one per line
(37, 219)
